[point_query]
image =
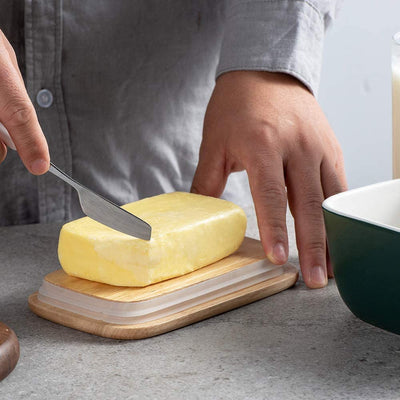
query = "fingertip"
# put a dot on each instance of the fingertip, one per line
(278, 254)
(39, 166)
(316, 277)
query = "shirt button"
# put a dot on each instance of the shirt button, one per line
(44, 98)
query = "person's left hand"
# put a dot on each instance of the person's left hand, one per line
(270, 125)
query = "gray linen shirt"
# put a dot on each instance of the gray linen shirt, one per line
(130, 82)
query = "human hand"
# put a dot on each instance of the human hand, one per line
(270, 125)
(18, 114)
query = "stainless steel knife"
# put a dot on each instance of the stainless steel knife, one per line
(95, 206)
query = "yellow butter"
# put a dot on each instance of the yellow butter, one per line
(189, 231)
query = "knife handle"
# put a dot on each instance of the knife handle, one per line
(6, 138)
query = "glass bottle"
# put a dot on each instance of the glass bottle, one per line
(396, 105)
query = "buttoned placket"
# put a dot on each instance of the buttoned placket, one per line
(43, 47)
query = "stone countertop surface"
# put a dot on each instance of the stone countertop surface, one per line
(298, 344)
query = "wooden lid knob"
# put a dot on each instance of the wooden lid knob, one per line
(9, 350)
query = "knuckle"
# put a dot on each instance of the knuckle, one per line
(265, 134)
(18, 113)
(311, 205)
(304, 142)
(308, 146)
(277, 226)
(270, 202)
(262, 137)
(315, 247)
(273, 191)
(259, 146)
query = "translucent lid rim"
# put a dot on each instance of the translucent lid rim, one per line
(396, 38)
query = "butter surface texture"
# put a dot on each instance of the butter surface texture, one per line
(189, 231)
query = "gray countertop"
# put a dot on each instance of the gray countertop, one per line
(298, 344)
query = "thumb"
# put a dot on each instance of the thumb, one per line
(210, 176)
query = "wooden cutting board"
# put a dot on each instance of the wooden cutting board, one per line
(9, 350)
(140, 312)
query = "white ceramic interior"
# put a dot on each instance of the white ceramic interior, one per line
(378, 204)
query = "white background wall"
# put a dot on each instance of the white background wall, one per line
(355, 90)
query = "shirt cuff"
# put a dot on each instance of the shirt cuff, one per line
(274, 35)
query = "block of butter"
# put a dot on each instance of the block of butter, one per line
(189, 231)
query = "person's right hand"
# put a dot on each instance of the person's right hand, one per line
(270, 125)
(18, 115)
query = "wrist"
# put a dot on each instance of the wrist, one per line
(280, 79)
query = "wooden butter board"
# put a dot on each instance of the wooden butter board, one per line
(141, 312)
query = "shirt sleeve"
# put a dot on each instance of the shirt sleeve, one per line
(277, 36)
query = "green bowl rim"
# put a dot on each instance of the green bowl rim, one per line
(328, 208)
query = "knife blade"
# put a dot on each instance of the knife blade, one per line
(94, 205)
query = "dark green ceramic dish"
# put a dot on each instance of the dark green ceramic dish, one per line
(363, 229)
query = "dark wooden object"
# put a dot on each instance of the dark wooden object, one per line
(9, 350)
